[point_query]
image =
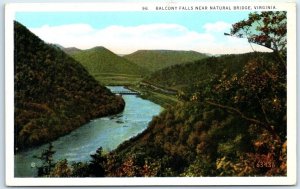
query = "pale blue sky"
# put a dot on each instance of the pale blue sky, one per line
(126, 32)
(191, 20)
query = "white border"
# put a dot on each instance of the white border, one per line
(10, 11)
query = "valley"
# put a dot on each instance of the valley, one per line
(190, 115)
(130, 70)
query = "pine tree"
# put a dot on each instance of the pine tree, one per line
(97, 163)
(47, 161)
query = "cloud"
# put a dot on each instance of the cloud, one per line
(217, 27)
(127, 39)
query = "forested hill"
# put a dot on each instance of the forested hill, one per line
(101, 60)
(180, 76)
(54, 94)
(157, 59)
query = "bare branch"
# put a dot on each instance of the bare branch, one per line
(267, 126)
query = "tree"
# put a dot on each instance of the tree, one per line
(263, 84)
(97, 163)
(61, 169)
(47, 161)
(267, 29)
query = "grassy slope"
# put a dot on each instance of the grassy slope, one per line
(158, 97)
(154, 60)
(107, 67)
(54, 94)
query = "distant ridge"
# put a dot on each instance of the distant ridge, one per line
(100, 60)
(182, 75)
(71, 50)
(154, 60)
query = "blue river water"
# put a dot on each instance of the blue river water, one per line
(107, 132)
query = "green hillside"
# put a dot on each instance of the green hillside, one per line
(107, 67)
(154, 60)
(54, 94)
(180, 76)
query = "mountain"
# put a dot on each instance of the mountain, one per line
(154, 60)
(99, 60)
(54, 94)
(182, 75)
(71, 50)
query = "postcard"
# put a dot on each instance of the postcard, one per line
(150, 93)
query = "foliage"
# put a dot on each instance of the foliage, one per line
(179, 77)
(154, 60)
(54, 94)
(47, 161)
(96, 166)
(61, 169)
(267, 29)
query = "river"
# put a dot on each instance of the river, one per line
(107, 132)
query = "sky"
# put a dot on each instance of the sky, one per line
(127, 32)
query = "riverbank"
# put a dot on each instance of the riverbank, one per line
(106, 132)
(61, 124)
(157, 96)
(114, 79)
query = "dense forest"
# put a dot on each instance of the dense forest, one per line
(154, 60)
(231, 119)
(54, 94)
(180, 76)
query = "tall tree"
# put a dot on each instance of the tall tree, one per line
(97, 163)
(263, 80)
(267, 29)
